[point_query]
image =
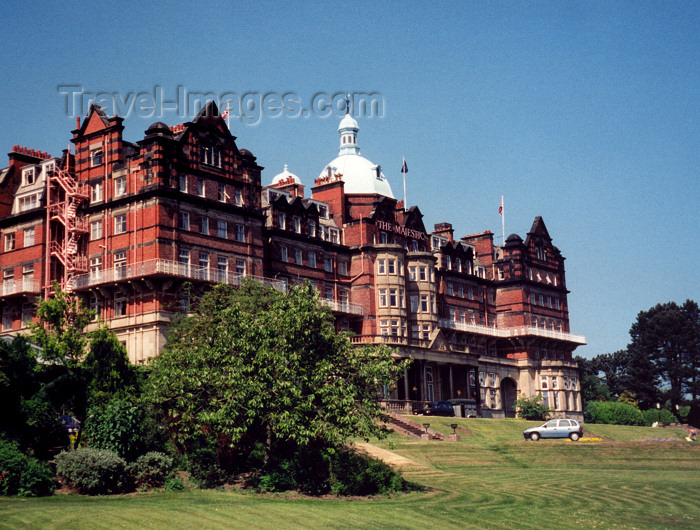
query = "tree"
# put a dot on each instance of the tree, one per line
(664, 348)
(532, 408)
(255, 367)
(593, 387)
(80, 368)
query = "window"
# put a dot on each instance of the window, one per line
(554, 382)
(343, 268)
(448, 263)
(96, 157)
(182, 183)
(482, 378)
(28, 237)
(203, 265)
(95, 269)
(119, 186)
(9, 242)
(120, 305)
(183, 260)
(200, 187)
(281, 224)
(381, 267)
(28, 176)
(566, 382)
(541, 300)
(312, 260)
(96, 305)
(382, 297)
(6, 318)
(240, 267)
(393, 300)
(424, 308)
(96, 192)
(460, 290)
(414, 246)
(312, 229)
(120, 265)
(383, 238)
(574, 382)
(334, 235)
(221, 194)
(541, 254)
(414, 303)
(222, 229)
(211, 156)
(183, 220)
(222, 268)
(557, 303)
(328, 264)
(238, 196)
(283, 254)
(412, 274)
(458, 265)
(450, 289)
(323, 212)
(533, 299)
(421, 274)
(240, 233)
(329, 293)
(391, 266)
(204, 225)
(120, 224)
(297, 225)
(298, 257)
(492, 380)
(29, 202)
(544, 382)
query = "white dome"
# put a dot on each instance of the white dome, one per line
(284, 176)
(348, 122)
(360, 175)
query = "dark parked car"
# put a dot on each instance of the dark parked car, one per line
(439, 408)
(562, 428)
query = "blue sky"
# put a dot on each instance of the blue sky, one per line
(586, 113)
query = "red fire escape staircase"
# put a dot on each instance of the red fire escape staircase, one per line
(64, 197)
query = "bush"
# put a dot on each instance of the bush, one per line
(21, 474)
(116, 426)
(204, 468)
(532, 408)
(318, 470)
(151, 470)
(613, 412)
(93, 471)
(661, 415)
(353, 474)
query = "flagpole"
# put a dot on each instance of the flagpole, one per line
(503, 221)
(405, 203)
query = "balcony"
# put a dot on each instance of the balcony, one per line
(28, 286)
(507, 333)
(391, 340)
(342, 307)
(164, 267)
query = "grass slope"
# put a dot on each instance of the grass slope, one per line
(492, 478)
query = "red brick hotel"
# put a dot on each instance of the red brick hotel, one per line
(126, 226)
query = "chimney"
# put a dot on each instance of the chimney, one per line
(444, 230)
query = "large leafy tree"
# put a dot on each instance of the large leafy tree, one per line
(79, 367)
(255, 367)
(665, 346)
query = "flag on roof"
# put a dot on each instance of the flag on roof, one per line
(404, 168)
(225, 114)
(500, 208)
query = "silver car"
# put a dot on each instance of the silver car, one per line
(560, 428)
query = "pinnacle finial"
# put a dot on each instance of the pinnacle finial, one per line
(347, 103)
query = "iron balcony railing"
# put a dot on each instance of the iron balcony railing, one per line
(9, 287)
(168, 267)
(511, 332)
(342, 307)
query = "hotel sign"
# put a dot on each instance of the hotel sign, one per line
(398, 229)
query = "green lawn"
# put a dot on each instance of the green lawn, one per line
(491, 478)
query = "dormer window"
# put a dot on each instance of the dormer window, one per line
(211, 156)
(28, 176)
(541, 254)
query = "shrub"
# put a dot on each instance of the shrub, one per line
(174, 484)
(21, 474)
(204, 468)
(151, 470)
(116, 426)
(613, 412)
(532, 408)
(93, 471)
(353, 474)
(320, 470)
(661, 415)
